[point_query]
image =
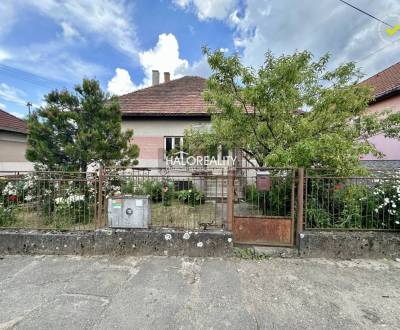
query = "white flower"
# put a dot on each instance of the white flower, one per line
(397, 222)
(28, 198)
(75, 198)
(9, 189)
(376, 210)
(59, 200)
(386, 200)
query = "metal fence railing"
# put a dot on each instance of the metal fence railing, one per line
(179, 198)
(197, 199)
(369, 202)
(274, 199)
(48, 200)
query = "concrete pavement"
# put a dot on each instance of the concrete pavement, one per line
(65, 292)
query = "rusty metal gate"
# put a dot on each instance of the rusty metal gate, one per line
(263, 206)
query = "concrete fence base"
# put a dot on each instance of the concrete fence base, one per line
(117, 242)
(332, 244)
(347, 245)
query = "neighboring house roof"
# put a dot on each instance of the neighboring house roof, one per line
(179, 97)
(385, 83)
(10, 123)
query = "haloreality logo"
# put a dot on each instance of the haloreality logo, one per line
(390, 32)
(181, 158)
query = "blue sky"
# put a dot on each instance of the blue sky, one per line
(51, 44)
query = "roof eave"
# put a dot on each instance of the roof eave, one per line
(163, 114)
(385, 95)
(13, 130)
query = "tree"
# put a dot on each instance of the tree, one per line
(77, 128)
(292, 111)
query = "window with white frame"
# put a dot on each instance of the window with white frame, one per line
(173, 146)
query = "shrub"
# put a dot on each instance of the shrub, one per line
(191, 197)
(7, 215)
(275, 202)
(159, 191)
(335, 204)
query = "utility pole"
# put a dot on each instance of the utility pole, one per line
(29, 105)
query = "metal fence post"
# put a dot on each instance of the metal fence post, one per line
(230, 197)
(99, 220)
(300, 204)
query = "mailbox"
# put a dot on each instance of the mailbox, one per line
(263, 182)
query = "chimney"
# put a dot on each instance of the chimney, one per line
(155, 77)
(167, 77)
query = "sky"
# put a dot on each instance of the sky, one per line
(54, 44)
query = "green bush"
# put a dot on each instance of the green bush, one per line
(191, 197)
(7, 215)
(159, 191)
(341, 204)
(276, 202)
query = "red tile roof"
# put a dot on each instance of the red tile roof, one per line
(179, 97)
(8, 122)
(385, 82)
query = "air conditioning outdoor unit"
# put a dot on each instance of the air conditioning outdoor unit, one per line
(129, 212)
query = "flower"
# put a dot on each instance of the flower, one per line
(12, 198)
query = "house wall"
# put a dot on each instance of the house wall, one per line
(149, 136)
(12, 152)
(390, 147)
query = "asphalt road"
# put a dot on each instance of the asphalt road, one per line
(61, 292)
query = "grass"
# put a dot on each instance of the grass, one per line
(181, 215)
(29, 218)
(177, 215)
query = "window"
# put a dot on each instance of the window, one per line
(173, 146)
(224, 153)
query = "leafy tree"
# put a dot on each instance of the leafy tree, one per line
(77, 128)
(292, 111)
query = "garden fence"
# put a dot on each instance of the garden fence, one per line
(369, 202)
(193, 199)
(48, 200)
(198, 199)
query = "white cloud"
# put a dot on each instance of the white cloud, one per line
(325, 26)
(121, 83)
(17, 114)
(205, 9)
(53, 61)
(108, 20)
(199, 68)
(69, 31)
(11, 94)
(4, 55)
(3, 106)
(7, 17)
(164, 57)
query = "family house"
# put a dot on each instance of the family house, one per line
(13, 136)
(160, 114)
(386, 87)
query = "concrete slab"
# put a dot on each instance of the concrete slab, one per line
(103, 292)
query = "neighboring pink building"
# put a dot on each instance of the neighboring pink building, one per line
(386, 85)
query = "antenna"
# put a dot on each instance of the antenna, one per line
(29, 105)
